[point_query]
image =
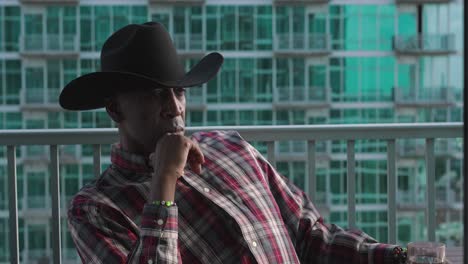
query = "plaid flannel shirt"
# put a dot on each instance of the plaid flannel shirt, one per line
(238, 210)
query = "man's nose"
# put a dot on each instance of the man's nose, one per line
(172, 107)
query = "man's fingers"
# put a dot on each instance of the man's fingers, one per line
(195, 153)
(195, 158)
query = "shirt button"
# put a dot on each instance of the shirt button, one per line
(254, 244)
(159, 222)
(150, 261)
(206, 190)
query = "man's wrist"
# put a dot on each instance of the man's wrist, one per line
(162, 188)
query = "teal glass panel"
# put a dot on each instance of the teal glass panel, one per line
(86, 30)
(37, 237)
(161, 18)
(246, 117)
(87, 119)
(14, 120)
(228, 118)
(12, 24)
(139, 14)
(196, 20)
(299, 85)
(386, 26)
(264, 117)
(264, 28)
(195, 30)
(298, 117)
(368, 27)
(53, 120)
(406, 78)
(196, 118)
(102, 22)
(88, 66)
(385, 79)
(2, 80)
(351, 25)
(407, 24)
(33, 24)
(212, 27)
(228, 81)
(69, 23)
(2, 48)
(53, 20)
(351, 83)
(103, 120)
(121, 16)
(53, 80)
(36, 190)
(34, 32)
(264, 78)
(87, 170)
(246, 80)
(317, 23)
(368, 81)
(179, 20)
(317, 82)
(337, 26)
(298, 19)
(282, 117)
(228, 27)
(70, 120)
(283, 68)
(69, 70)
(212, 89)
(336, 78)
(212, 118)
(34, 85)
(282, 20)
(246, 27)
(71, 185)
(299, 174)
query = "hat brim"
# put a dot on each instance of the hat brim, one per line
(90, 91)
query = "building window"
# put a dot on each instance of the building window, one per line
(10, 28)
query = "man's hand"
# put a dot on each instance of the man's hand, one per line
(172, 153)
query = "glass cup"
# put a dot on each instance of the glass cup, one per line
(426, 253)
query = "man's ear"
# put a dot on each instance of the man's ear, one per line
(113, 110)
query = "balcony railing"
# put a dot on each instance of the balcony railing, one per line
(425, 44)
(302, 44)
(439, 96)
(424, 1)
(56, 2)
(391, 133)
(181, 2)
(49, 45)
(304, 2)
(410, 148)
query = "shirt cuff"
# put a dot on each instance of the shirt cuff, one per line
(159, 220)
(382, 253)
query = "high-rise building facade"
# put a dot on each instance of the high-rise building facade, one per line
(286, 62)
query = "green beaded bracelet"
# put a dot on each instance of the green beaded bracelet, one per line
(164, 203)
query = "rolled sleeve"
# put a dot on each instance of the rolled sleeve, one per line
(159, 221)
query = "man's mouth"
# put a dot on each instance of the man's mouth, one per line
(177, 129)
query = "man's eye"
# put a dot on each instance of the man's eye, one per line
(179, 91)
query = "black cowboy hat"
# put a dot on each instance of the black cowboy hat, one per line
(136, 56)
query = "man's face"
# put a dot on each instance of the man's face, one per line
(149, 114)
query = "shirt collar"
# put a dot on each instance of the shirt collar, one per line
(129, 161)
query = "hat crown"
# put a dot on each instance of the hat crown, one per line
(145, 49)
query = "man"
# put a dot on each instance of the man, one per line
(228, 205)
